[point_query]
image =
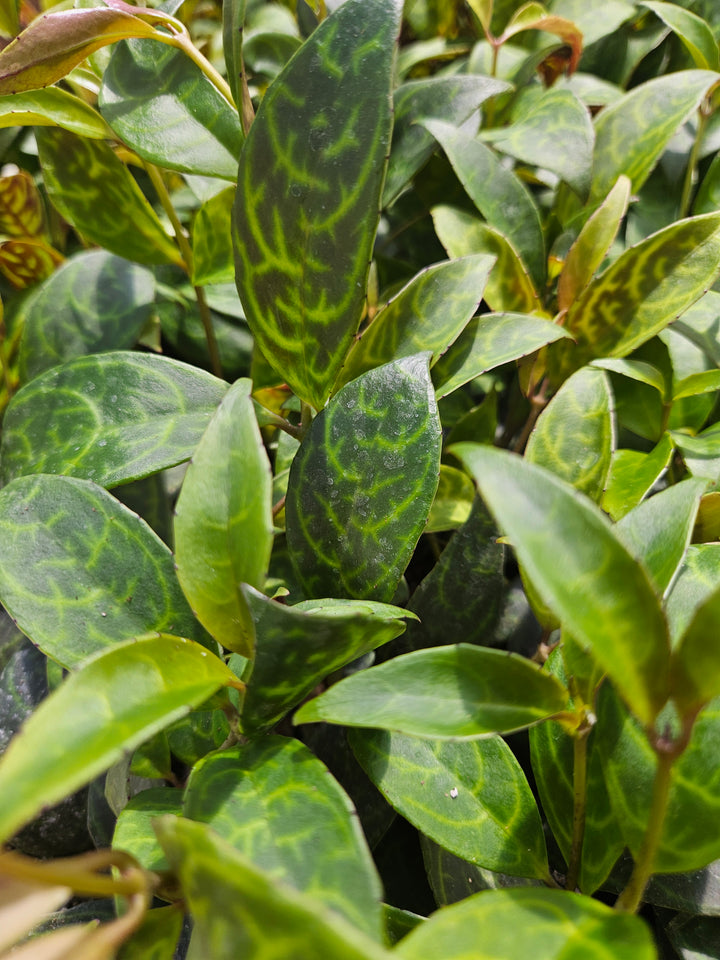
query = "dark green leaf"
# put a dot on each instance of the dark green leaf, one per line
(111, 418)
(118, 700)
(52, 107)
(277, 804)
(362, 483)
(696, 661)
(157, 936)
(451, 878)
(632, 476)
(197, 131)
(695, 34)
(80, 572)
(457, 692)
(471, 798)
(134, 833)
(233, 25)
(212, 240)
(695, 938)
(581, 570)
(23, 680)
(309, 187)
(95, 301)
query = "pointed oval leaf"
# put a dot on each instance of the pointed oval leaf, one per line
(197, 130)
(453, 500)
(52, 107)
(133, 831)
(362, 483)
(632, 475)
(240, 910)
(280, 787)
(472, 798)
(696, 661)
(111, 418)
(574, 436)
(581, 570)
(298, 646)
(81, 572)
(223, 521)
(458, 692)
(305, 219)
(525, 922)
(97, 194)
(693, 31)
(534, 16)
(94, 302)
(119, 699)
(429, 313)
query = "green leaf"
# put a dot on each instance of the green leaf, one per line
(197, 131)
(52, 107)
(133, 831)
(429, 313)
(529, 922)
(223, 521)
(582, 571)
(157, 936)
(692, 30)
(644, 290)
(701, 453)
(233, 26)
(471, 798)
(457, 692)
(574, 435)
(239, 910)
(111, 418)
(118, 700)
(638, 370)
(452, 878)
(362, 483)
(212, 240)
(695, 384)
(483, 11)
(452, 99)
(586, 255)
(277, 804)
(499, 195)
(509, 286)
(696, 659)
(631, 135)
(695, 583)
(94, 302)
(97, 194)
(305, 219)
(298, 646)
(689, 839)
(556, 117)
(460, 598)
(81, 572)
(488, 342)
(55, 42)
(633, 475)
(453, 500)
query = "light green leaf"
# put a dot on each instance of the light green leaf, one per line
(118, 700)
(453, 500)
(133, 831)
(638, 370)
(212, 240)
(94, 302)
(81, 572)
(97, 194)
(223, 521)
(586, 16)
(52, 107)
(429, 313)
(196, 131)
(575, 434)
(239, 910)
(581, 570)
(498, 194)
(692, 30)
(529, 922)
(276, 803)
(701, 453)
(483, 11)
(696, 660)
(632, 133)
(157, 937)
(298, 646)
(111, 418)
(233, 28)
(695, 583)
(362, 483)
(305, 219)
(457, 692)
(632, 475)
(471, 798)
(509, 286)
(695, 384)
(488, 342)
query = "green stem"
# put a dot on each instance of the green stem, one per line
(180, 39)
(305, 418)
(689, 182)
(6, 374)
(580, 758)
(187, 254)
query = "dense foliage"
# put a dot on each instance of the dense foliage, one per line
(359, 544)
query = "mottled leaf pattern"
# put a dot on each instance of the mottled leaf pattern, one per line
(21, 209)
(27, 262)
(309, 185)
(212, 240)
(362, 483)
(472, 798)
(111, 418)
(133, 830)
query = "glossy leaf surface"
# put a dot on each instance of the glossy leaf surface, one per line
(453, 500)
(309, 186)
(362, 483)
(52, 107)
(298, 646)
(692, 30)
(212, 240)
(113, 704)
(133, 830)
(472, 798)
(593, 584)
(81, 572)
(276, 803)
(453, 692)
(110, 418)
(223, 521)
(696, 662)
(695, 583)
(632, 476)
